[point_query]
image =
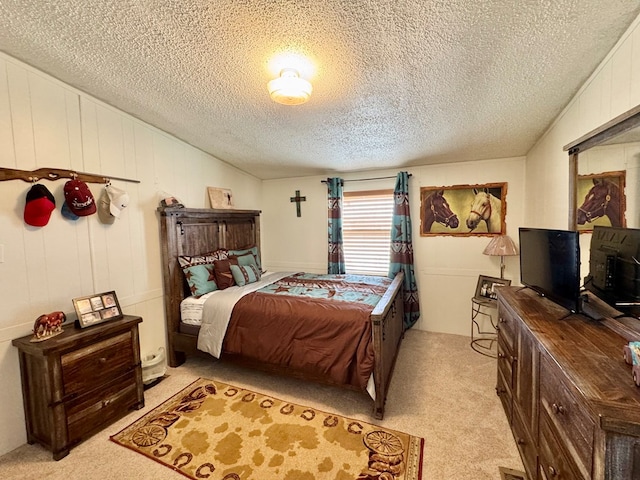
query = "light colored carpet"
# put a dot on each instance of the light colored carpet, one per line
(441, 390)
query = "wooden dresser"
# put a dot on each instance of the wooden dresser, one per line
(570, 398)
(79, 381)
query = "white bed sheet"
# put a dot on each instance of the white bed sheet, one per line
(191, 309)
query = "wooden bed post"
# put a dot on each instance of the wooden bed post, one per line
(388, 328)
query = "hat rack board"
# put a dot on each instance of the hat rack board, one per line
(79, 200)
(55, 174)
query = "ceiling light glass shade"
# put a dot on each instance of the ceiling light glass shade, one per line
(289, 88)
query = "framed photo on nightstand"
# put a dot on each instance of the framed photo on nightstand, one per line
(486, 288)
(98, 308)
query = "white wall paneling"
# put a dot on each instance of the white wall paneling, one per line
(45, 123)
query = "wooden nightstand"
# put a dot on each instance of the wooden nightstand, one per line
(80, 381)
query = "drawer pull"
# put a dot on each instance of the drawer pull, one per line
(102, 360)
(502, 355)
(106, 402)
(552, 471)
(558, 409)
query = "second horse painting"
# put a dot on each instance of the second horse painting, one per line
(463, 210)
(601, 200)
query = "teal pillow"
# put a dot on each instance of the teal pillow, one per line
(244, 251)
(245, 260)
(245, 274)
(201, 279)
(199, 271)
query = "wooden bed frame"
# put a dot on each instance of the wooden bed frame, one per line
(189, 231)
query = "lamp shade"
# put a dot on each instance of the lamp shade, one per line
(501, 245)
(289, 88)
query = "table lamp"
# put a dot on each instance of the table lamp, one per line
(501, 245)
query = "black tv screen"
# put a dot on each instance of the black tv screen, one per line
(614, 266)
(550, 264)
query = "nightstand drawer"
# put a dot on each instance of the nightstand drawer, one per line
(87, 413)
(572, 422)
(89, 367)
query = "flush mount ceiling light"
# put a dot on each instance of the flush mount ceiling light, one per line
(289, 88)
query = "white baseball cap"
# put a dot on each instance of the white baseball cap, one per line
(104, 210)
(119, 199)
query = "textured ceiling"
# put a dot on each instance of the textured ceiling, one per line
(396, 82)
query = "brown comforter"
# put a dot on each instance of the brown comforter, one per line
(310, 334)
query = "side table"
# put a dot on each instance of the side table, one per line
(484, 341)
(80, 381)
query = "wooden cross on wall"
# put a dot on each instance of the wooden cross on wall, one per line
(298, 199)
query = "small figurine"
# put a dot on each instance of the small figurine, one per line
(47, 326)
(631, 355)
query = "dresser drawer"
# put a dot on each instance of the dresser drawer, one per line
(572, 423)
(506, 327)
(553, 463)
(504, 392)
(525, 444)
(94, 365)
(505, 361)
(90, 412)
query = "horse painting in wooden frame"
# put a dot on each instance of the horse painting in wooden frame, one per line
(600, 200)
(463, 210)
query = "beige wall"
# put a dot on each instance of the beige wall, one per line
(612, 89)
(45, 123)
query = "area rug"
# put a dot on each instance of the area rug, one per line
(220, 432)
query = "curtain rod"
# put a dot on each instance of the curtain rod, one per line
(363, 179)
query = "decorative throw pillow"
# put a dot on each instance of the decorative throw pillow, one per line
(245, 274)
(209, 257)
(244, 260)
(243, 251)
(199, 271)
(201, 279)
(224, 277)
(220, 254)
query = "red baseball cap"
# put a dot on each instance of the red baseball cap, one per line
(79, 198)
(39, 205)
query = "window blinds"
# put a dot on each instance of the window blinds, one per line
(366, 228)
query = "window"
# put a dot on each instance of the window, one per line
(366, 231)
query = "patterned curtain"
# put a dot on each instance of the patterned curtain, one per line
(402, 249)
(336, 252)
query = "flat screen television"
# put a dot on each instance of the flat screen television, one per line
(550, 265)
(614, 267)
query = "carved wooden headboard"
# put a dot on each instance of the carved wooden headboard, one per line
(192, 231)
